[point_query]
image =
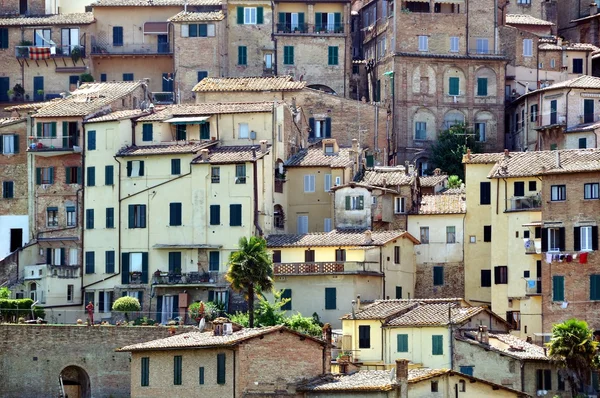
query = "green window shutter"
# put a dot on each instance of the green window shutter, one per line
(147, 132)
(129, 168)
(91, 139)
(437, 344)
(89, 218)
(201, 375)
(110, 217)
(240, 15)
(260, 19)
(333, 55)
(125, 268)
(288, 55)
(16, 143)
(177, 361)
(117, 35)
(38, 175)
(145, 267)
(235, 215)
(53, 130)
(79, 175)
(438, 276)
(131, 209)
(558, 288)
(301, 22)
(482, 86)
(318, 21)
(281, 20)
(175, 214)
(594, 287)
(402, 343)
(202, 30)
(242, 60)
(65, 130)
(91, 176)
(205, 131)
(68, 175)
(89, 263)
(215, 214)
(193, 30)
(330, 298)
(220, 368)
(361, 202)
(348, 202)
(109, 261)
(214, 261)
(398, 292)
(287, 294)
(145, 378)
(337, 19)
(141, 168)
(108, 175)
(454, 86)
(39, 129)
(51, 175)
(3, 38)
(175, 166)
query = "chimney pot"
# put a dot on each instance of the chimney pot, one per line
(484, 336)
(593, 8)
(401, 370)
(204, 153)
(358, 302)
(368, 236)
(263, 146)
(437, 171)
(506, 153)
(384, 182)
(469, 153)
(354, 144)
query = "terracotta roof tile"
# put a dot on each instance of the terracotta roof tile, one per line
(353, 185)
(435, 314)
(364, 380)
(232, 154)
(30, 106)
(118, 115)
(208, 108)
(432, 181)
(84, 18)
(583, 127)
(392, 175)
(454, 191)
(382, 309)
(184, 16)
(7, 121)
(88, 98)
(443, 204)
(229, 84)
(163, 149)
(524, 19)
(315, 156)
(482, 158)
(583, 82)
(507, 344)
(336, 238)
(528, 164)
(154, 3)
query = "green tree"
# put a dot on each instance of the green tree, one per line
(126, 305)
(251, 270)
(447, 152)
(454, 182)
(4, 293)
(573, 349)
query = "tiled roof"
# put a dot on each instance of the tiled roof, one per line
(569, 47)
(353, 185)
(315, 156)
(528, 164)
(164, 149)
(117, 115)
(232, 154)
(228, 84)
(198, 339)
(582, 82)
(454, 191)
(507, 344)
(451, 56)
(364, 380)
(7, 121)
(155, 3)
(30, 106)
(336, 238)
(432, 181)
(482, 158)
(88, 98)
(583, 127)
(184, 16)
(524, 19)
(382, 309)
(208, 108)
(84, 18)
(443, 204)
(392, 175)
(435, 315)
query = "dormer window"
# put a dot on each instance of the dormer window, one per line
(329, 149)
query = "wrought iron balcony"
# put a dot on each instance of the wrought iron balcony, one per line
(58, 52)
(517, 203)
(185, 278)
(99, 49)
(52, 144)
(330, 267)
(304, 28)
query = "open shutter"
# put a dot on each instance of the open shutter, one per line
(547, 379)
(63, 258)
(145, 267)
(281, 20)
(311, 125)
(39, 129)
(577, 238)
(65, 134)
(561, 239)
(131, 209)
(544, 239)
(301, 21)
(51, 175)
(175, 305)
(240, 15)
(129, 168)
(143, 216)
(220, 368)
(141, 168)
(38, 175)
(594, 237)
(159, 302)
(348, 202)
(185, 30)
(53, 131)
(260, 15)
(328, 127)
(15, 143)
(79, 175)
(68, 175)
(48, 256)
(337, 19)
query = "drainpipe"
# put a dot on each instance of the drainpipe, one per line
(255, 189)
(381, 269)
(274, 39)
(523, 375)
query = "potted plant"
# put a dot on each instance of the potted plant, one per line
(10, 94)
(126, 305)
(40, 94)
(344, 356)
(23, 50)
(76, 54)
(19, 91)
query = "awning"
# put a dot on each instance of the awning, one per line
(185, 246)
(533, 224)
(156, 28)
(187, 120)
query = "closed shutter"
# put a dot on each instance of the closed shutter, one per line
(220, 368)
(145, 267)
(235, 214)
(402, 340)
(91, 176)
(117, 35)
(438, 276)
(348, 202)
(89, 263)
(3, 38)
(201, 375)
(558, 288)
(91, 139)
(330, 298)
(109, 262)
(89, 218)
(577, 238)
(467, 370)
(213, 261)
(594, 287)
(287, 294)
(147, 132)
(110, 217)
(202, 75)
(454, 86)
(240, 15)
(193, 30)
(204, 130)
(174, 262)
(215, 214)
(177, 369)
(175, 166)
(398, 292)
(328, 127)
(311, 125)
(437, 344)
(108, 175)
(364, 336)
(260, 19)
(519, 188)
(202, 30)
(145, 378)
(175, 214)
(125, 268)
(487, 233)
(482, 86)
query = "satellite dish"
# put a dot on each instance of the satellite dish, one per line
(201, 324)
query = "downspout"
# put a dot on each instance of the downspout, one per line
(255, 189)
(566, 108)
(496, 27)
(381, 270)
(505, 194)
(273, 39)
(382, 337)
(497, 194)
(83, 177)
(467, 27)
(523, 375)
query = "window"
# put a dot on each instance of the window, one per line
(302, 224)
(137, 216)
(215, 175)
(482, 86)
(340, 255)
(110, 217)
(577, 65)
(287, 294)
(180, 132)
(9, 144)
(480, 132)
(70, 290)
(423, 43)
(91, 140)
(71, 216)
(201, 75)
(243, 131)
(177, 370)
(220, 368)
(355, 202)
(468, 370)
(127, 77)
(487, 233)
(8, 189)
(205, 131)
(453, 86)
(527, 47)
(276, 256)
(482, 46)
(250, 15)
(438, 276)
(450, 234)
(486, 278)
(91, 176)
(52, 216)
(235, 215)
(327, 225)
(108, 175)
(398, 292)
(309, 256)
(215, 215)
(147, 131)
(175, 166)
(396, 254)
(519, 188)
(117, 36)
(213, 261)
(434, 386)
(175, 218)
(135, 168)
(89, 219)
(90, 261)
(590, 191)
(532, 186)
(402, 343)
(594, 287)
(109, 262)
(582, 143)
(558, 193)
(242, 55)
(288, 55)
(4, 38)
(332, 55)
(543, 379)
(319, 128)
(44, 175)
(73, 175)
(364, 336)
(327, 184)
(330, 298)
(420, 130)
(485, 193)
(145, 378)
(424, 235)
(558, 288)
(437, 345)
(501, 275)
(554, 241)
(399, 205)
(561, 382)
(198, 30)
(240, 173)
(533, 113)
(309, 183)
(585, 238)
(454, 44)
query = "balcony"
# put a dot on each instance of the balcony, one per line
(73, 52)
(533, 287)
(523, 203)
(185, 278)
(64, 271)
(484, 52)
(297, 28)
(51, 145)
(533, 246)
(292, 28)
(320, 268)
(104, 49)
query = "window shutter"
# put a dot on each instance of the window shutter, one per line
(260, 15)
(453, 86)
(68, 175)
(318, 20)
(539, 379)
(91, 176)
(437, 343)
(91, 139)
(281, 19)
(109, 262)
(595, 237)
(211, 296)
(235, 219)
(577, 238)
(202, 30)
(193, 30)
(185, 30)
(108, 175)
(337, 19)
(361, 202)
(175, 166)
(402, 343)
(398, 292)
(311, 125)
(89, 263)
(330, 298)
(141, 168)
(213, 261)
(482, 86)
(544, 239)
(145, 267)
(215, 214)
(51, 175)
(348, 202)
(147, 132)
(561, 238)
(497, 275)
(131, 209)
(240, 15)
(38, 175)
(558, 288)
(220, 368)
(4, 38)
(201, 375)
(328, 127)
(48, 256)
(547, 379)
(39, 129)
(53, 130)
(15, 144)
(129, 166)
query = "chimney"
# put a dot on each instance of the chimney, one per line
(406, 163)
(263, 146)
(557, 159)
(469, 154)
(204, 154)
(483, 335)
(355, 145)
(593, 8)
(437, 171)
(506, 153)
(368, 236)
(384, 182)
(358, 302)
(401, 370)
(218, 331)
(327, 334)
(411, 169)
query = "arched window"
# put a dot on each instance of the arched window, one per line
(278, 217)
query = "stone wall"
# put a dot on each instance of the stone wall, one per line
(12, 7)
(13, 168)
(454, 281)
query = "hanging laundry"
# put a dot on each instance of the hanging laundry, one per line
(569, 258)
(531, 284)
(575, 256)
(583, 258)
(527, 243)
(561, 257)
(548, 258)
(39, 52)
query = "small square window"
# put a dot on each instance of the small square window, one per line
(434, 386)
(558, 193)
(472, 239)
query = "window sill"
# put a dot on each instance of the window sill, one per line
(558, 200)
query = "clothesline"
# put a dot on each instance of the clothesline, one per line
(566, 257)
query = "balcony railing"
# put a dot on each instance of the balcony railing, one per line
(292, 28)
(132, 49)
(533, 287)
(163, 98)
(297, 28)
(533, 202)
(48, 144)
(333, 267)
(59, 51)
(533, 246)
(172, 278)
(64, 271)
(484, 51)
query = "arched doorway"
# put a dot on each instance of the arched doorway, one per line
(76, 382)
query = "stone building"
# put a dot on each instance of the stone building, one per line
(546, 10)
(26, 7)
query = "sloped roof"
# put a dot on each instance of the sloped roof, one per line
(581, 82)
(337, 238)
(199, 340)
(315, 156)
(164, 149)
(524, 19)
(184, 16)
(353, 185)
(507, 344)
(528, 164)
(232, 154)
(207, 108)
(154, 3)
(432, 181)
(443, 204)
(88, 98)
(435, 314)
(7, 121)
(241, 84)
(583, 127)
(117, 115)
(569, 46)
(392, 175)
(382, 309)
(481, 158)
(84, 18)
(364, 380)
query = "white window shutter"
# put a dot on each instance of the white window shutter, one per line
(210, 30)
(185, 30)
(312, 183)
(327, 182)
(306, 183)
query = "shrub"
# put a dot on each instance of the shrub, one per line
(126, 305)
(11, 310)
(143, 319)
(86, 78)
(4, 293)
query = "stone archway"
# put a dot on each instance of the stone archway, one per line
(76, 382)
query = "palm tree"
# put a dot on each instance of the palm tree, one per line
(572, 348)
(250, 269)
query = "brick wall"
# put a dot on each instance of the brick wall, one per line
(14, 168)
(33, 357)
(454, 281)
(12, 7)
